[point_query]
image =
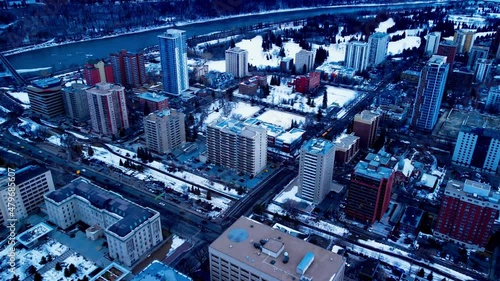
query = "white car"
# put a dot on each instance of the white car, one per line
(162, 204)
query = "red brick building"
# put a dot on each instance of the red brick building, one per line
(252, 84)
(365, 126)
(448, 49)
(154, 101)
(307, 83)
(128, 68)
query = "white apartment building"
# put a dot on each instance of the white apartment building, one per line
(107, 108)
(493, 100)
(237, 62)
(304, 57)
(432, 44)
(377, 48)
(356, 55)
(164, 130)
(482, 70)
(238, 146)
(32, 182)
(250, 250)
(476, 53)
(317, 158)
(131, 230)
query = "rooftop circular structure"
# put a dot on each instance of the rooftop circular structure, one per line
(238, 235)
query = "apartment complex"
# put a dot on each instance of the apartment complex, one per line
(482, 70)
(131, 230)
(464, 39)
(304, 58)
(76, 103)
(476, 53)
(173, 56)
(493, 100)
(432, 43)
(237, 62)
(346, 147)
(365, 126)
(430, 93)
(108, 108)
(370, 190)
(32, 182)
(250, 250)
(164, 130)
(449, 50)
(153, 100)
(377, 46)
(98, 72)
(128, 68)
(467, 214)
(356, 55)
(237, 146)
(45, 97)
(316, 164)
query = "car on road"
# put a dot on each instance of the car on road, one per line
(161, 204)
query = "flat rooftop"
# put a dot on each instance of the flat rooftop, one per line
(318, 146)
(152, 97)
(172, 33)
(28, 172)
(112, 272)
(238, 242)
(237, 127)
(158, 271)
(132, 215)
(104, 88)
(272, 130)
(46, 82)
(34, 233)
(366, 116)
(450, 127)
(472, 189)
(412, 216)
(345, 142)
(372, 170)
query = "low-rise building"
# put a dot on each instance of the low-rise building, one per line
(153, 100)
(307, 83)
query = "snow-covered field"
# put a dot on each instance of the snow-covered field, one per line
(55, 140)
(83, 267)
(409, 42)
(20, 96)
(280, 118)
(217, 65)
(239, 110)
(289, 195)
(176, 243)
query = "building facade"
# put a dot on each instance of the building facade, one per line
(98, 72)
(237, 62)
(464, 39)
(304, 58)
(476, 53)
(237, 146)
(316, 164)
(482, 70)
(449, 50)
(250, 250)
(307, 83)
(377, 46)
(365, 126)
(493, 100)
(467, 214)
(131, 231)
(356, 55)
(46, 98)
(128, 68)
(164, 130)
(346, 147)
(153, 100)
(76, 103)
(32, 182)
(173, 55)
(432, 44)
(430, 93)
(108, 108)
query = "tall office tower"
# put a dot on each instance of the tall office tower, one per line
(98, 72)
(304, 57)
(235, 145)
(467, 214)
(173, 55)
(476, 53)
(32, 182)
(237, 62)
(449, 50)
(164, 130)
(76, 103)
(365, 126)
(430, 93)
(132, 231)
(377, 48)
(493, 100)
(478, 146)
(482, 70)
(464, 39)
(46, 98)
(128, 68)
(356, 55)
(108, 108)
(369, 192)
(250, 250)
(432, 44)
(317, 157)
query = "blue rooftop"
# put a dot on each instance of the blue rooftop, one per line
(152, 97)
(319, 146)
(46, 82)
(305, 263)
(158, 271)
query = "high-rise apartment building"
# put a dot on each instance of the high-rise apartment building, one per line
(493, 100)
(32, 182)
(356, 55)
(304, 58)
(476, 53)
(317, 158)
(377, 48)
(430, 93)
(346, 147)
(164, 130)
(365, 126)
(238, 146)
(98, 72)
(449, 50)
(250, 250)
(482, 70)
(107, 108)
(76, 103)
(237, 62)
(131, 231)
(467, 214)
(478, 146)
(369, 192)
(464, 39)
(432, 43)
(173, 56)
(128, 68)
(46, 98)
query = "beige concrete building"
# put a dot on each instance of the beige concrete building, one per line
(164, 130)
(237, 62)
(304, 57)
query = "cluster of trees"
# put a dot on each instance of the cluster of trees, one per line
(321, 55)
(269, 39)
(145, 155)
(275, 81)
(46, 259)
(265, 91)
(131, 165)
(295, 124)
(310, 102)
(197, 191)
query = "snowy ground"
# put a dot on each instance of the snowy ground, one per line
(176, 243)
(217, 65)
(83, 266)
(55, 140)
(20, 96)
(291, 194)
(238, 110)
(409, 42)
(280, 118)
(78, 136)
